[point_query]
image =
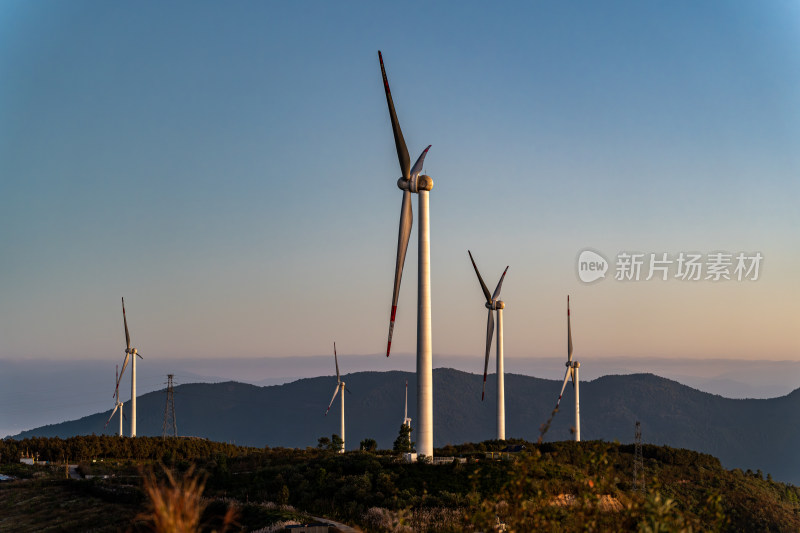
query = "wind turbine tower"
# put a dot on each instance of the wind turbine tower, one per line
(340, 386)
(493, 303)
(130, 354)
(412, 181)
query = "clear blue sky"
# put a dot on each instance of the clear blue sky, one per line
(229, 168)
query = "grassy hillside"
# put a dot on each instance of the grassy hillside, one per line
(742, 433)
(562, 486)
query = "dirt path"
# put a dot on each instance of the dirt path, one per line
(338, 525)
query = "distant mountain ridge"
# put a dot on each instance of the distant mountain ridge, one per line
(748, 434)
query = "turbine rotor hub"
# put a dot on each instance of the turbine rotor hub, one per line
(416, 183)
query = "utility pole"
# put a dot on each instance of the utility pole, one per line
(638, 461)
(170, 423)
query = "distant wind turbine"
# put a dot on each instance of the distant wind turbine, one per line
(493, 303)
(117, 403)
(340, 385)
(410, 182)
(130, 354)
(572, 371)
(406, 420)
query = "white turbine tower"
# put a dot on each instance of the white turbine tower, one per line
(493, 303)
(340, 385)
(130, 354)
(117, 404)
(572, 371)
(406, 420)
(410, 182)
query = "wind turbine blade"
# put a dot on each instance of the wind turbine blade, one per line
(564, 385)
(417, 168)
(569, 335)
(406, 221)
(125, 321)
(399, 142)
(140, 356)
(334, 397)
(544, 427)
(112, 416)
(489, 332)
(116, 379)
(124, 364)
(499, 285)
(480, 279)
(337, 363)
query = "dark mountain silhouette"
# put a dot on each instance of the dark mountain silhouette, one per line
(748, 434)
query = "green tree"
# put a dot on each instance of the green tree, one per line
(336, 443)
(283, 495)
(368, 445)
(323, 443)
(403, 444)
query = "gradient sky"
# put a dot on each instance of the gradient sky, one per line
(229, 168)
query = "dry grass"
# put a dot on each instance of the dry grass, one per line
(176, 505)
(58, 505)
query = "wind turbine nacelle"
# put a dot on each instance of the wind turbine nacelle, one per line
(420, 183)
(496, 305)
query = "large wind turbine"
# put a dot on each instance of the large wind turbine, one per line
(572, 371)
(130, 354)
(339, 385)
(410, 182)
(493, 303)
(117, 404)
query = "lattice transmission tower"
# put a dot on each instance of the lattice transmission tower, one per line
(170, 424)
(638, 461)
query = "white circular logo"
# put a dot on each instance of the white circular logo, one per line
(591, 266)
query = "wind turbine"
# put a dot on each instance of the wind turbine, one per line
(572, 371)
(410, 182)
(130, 354)
(493, 303)
(339, 385)
(117, 404)
(406, 420)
